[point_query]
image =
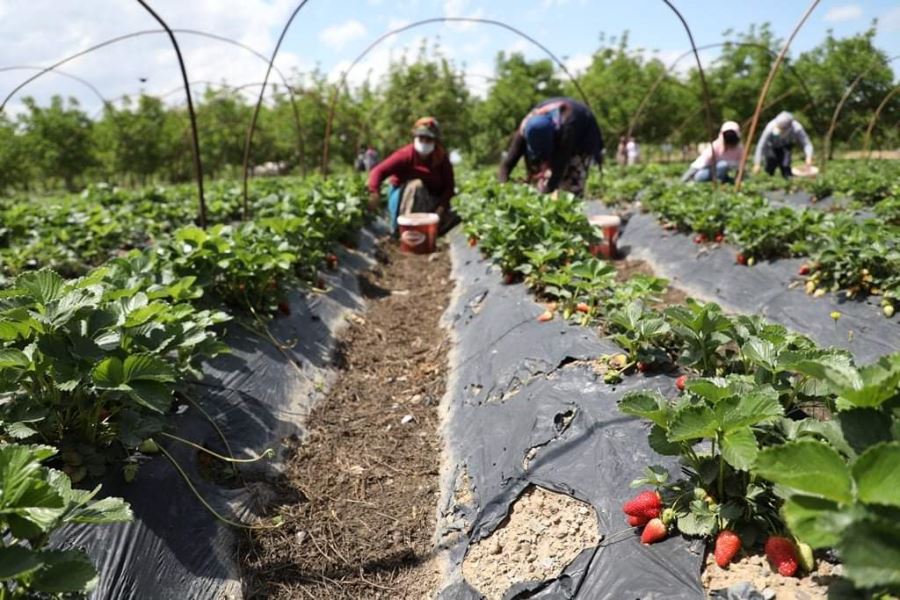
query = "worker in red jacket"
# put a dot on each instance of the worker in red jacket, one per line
(420, 177)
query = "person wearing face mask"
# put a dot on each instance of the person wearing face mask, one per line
(719, 158)
(420, 176)
(776, 143)
(559, 139)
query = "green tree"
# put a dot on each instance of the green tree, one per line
(16, 170)
(427, 86)
(833, 65)
(58, 137)
(616, 82)
(519, 85)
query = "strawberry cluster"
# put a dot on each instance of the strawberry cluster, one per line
(644, 511)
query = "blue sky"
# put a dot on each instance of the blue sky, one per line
(329, 33)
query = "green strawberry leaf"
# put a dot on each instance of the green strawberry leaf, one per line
(692, 423)
(870, 552)
(877, 474)
(807, 466)
(739, 448)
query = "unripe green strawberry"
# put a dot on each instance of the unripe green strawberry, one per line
(805, 554)
(668, 515)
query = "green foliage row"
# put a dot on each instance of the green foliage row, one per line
(144, 139)
(860, 256)
(90, 365)
(753, 460)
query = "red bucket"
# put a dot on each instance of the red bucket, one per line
(609, 227)
(418, 232)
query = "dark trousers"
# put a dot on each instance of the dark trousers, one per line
(780, 159)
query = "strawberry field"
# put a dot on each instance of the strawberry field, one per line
(224, 376)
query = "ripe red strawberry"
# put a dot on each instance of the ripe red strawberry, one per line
(782, 555)
(509, 278)
(804, 270)
(728, 544)
(583, 307)
(473, 241)
(284, 308)
(545, 316)
(741, 259)
(654, 531)
(700, 238)
(647, 504)
(679, 383)
(720, 237)
(332, 261)
(642, 366)
(636, 521)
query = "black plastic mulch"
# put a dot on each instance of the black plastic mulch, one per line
(709, 272)
(513, 382)
(257, 394)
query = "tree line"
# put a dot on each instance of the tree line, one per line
(145, 139)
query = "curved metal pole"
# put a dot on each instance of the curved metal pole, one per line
(249, 140)
(128, 36)
(84, 82)
(710, 128)
(765, 90)
(329, 123)
(195, 138)
(196, 32)
(840, 106)
(671, 67)
(874, 119)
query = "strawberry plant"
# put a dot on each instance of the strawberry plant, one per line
(35, 502)
(86, 362)
(842, 491)
(243, 266)
(714, 429)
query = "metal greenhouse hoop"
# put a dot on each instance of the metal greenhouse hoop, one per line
(340, 84)
(840, 106)
(868, 139)
(765, 90)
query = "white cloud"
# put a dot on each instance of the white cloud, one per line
(117, 69)
(846, 12)
(395, 23)
(338, 36)
(890, 21)
(578, 64)
(460, 9)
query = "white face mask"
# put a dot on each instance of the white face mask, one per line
(423, 148)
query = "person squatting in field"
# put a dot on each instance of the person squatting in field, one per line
(719, 158)
(420, 177)
(776, 143)
(559, 139)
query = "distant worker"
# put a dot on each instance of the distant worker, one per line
(370, 158)
(360, 163)
(559, 139)
(728, 151)
(632, 152)
(621, 154)
(776, 143)
(420, 177)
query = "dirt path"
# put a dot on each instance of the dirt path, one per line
(359, 493)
